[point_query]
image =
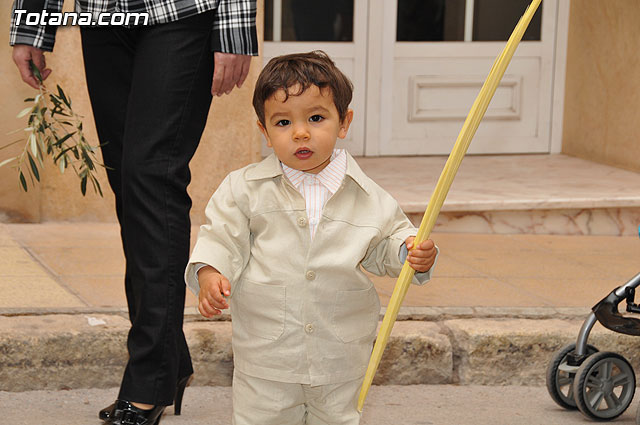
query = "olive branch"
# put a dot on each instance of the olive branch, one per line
(54, 129)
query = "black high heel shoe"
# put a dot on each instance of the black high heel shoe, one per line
(177, 401)
(107, 414)
(125, 413)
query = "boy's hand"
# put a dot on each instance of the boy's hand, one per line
(213, 288)
(423, 256)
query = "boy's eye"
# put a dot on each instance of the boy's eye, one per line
(316, 118)
(283, 123)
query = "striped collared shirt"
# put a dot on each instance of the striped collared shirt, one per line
(316, 189)
(234, 27)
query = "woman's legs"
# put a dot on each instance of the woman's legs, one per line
(150, 92)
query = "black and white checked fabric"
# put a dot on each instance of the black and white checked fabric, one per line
(234, 28)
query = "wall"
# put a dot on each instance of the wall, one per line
(231, 139)
(602, 97)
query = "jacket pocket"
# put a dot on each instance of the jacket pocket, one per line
(261, 308)
(355, 314)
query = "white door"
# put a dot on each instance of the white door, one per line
(417, 66)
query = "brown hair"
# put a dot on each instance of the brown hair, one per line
(306, 69)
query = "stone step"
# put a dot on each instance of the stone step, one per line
(516, 194)
(428, 346)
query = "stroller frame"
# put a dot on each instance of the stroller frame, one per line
(601, 384)
(606, 312)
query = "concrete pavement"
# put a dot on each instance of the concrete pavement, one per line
(386, 405)
(55, 267)
(496, 309)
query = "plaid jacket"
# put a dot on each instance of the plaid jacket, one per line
(234, 28)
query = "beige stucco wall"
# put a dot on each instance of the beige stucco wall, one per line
(602, 98)
(231, 139)
(601, 120)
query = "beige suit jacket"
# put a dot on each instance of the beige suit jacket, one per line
(303, 311)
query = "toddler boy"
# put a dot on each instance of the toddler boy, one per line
(285, 243)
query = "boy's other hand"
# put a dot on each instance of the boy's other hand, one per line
(422, 257)
(213, 288)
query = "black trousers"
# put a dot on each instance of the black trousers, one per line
(150, 93)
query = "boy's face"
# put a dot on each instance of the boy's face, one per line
(303, 130)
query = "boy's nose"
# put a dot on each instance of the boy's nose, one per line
(301, 133)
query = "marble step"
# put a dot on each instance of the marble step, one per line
(517, 194)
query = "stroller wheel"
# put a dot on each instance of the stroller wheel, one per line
(560, 382)
(604, 386)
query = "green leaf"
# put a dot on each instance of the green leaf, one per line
(35, 71)
(34, 168)
(60, 111)
(6, 161)
(29, 99)
(39, 157)
(24, 112)
(23, 182)
(99, 188)
(64, 138)
(32, 143)
(50, 117)
(94, 182)
(64, 98)
(62, 153)
(87, 160)
(43, 142)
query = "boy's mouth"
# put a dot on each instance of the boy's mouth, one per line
(303, 153)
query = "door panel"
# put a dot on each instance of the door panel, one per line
(429, 87)
(429, 107)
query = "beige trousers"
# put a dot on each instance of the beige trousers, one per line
(261, 402)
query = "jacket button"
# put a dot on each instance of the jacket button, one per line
(308, 328)
(302, 221)
(310, 275)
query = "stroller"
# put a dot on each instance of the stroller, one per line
(600, 384)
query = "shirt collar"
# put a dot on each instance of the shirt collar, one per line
(330, 177)
(270, 167)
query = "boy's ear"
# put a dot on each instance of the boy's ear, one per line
(344, 125)
(264, 132)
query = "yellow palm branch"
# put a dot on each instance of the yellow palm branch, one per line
(442, 188)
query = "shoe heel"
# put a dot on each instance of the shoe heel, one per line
(182, 384)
